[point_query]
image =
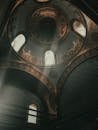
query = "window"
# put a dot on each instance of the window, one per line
(49, 58)
(18, 42)
(32, 114)
(79, 28)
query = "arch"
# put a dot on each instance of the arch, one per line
(49, 58)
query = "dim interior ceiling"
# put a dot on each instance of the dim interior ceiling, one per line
(53, 41)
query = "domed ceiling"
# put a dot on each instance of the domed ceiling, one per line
(53, 55)
(42, 29)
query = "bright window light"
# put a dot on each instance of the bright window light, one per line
(79, 28)
(49, 58)
(18, 42)
(32, 114)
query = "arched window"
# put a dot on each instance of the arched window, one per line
(32, 114)
(79, 28)
(18, 42)
(49, 58)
